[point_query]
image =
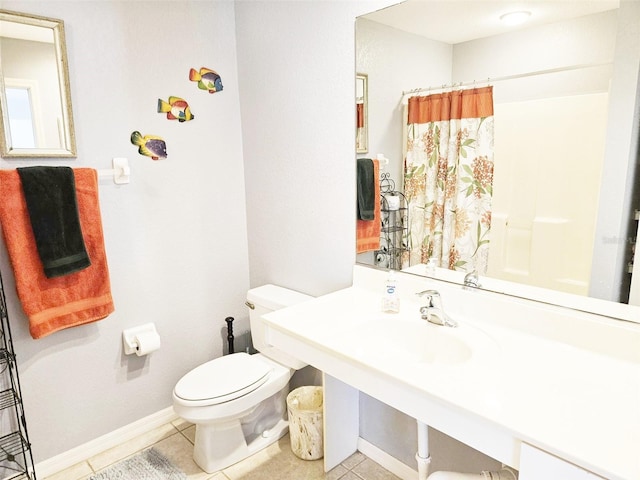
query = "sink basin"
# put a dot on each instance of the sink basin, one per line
(393, 339)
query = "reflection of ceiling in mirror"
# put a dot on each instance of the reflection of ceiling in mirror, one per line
(22, 31)
(478, 19)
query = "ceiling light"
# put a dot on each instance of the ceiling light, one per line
(515, 18)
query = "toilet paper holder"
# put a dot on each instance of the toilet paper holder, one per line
(130, 337)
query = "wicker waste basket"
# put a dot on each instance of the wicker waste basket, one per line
(304, 406)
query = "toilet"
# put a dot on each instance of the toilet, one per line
(238, 401)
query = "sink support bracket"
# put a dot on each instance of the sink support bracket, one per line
(422, 457)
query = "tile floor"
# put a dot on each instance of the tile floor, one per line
(276, 462)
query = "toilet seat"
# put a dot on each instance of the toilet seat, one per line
(222, 379)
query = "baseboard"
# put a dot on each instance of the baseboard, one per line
(81, 453)
(385, 460)
(128, 432)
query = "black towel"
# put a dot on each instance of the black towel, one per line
(366, 189)
(50, 195)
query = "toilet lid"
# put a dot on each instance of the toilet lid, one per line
(223, 379)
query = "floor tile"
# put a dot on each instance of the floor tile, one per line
(351, 476)
(190, 433)
(219, 476)
(353, 460)
(277, 461)
(179, 451)
(181, 424)
(370, 470)
(336, 473)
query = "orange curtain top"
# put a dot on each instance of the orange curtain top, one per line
(470, 103)
(359, 115)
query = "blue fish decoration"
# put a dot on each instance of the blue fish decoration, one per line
(149, 145)
(207, 79)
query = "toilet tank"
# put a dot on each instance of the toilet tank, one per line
(265, 299)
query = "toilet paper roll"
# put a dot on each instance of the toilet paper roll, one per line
(393, 202)
(146, 343)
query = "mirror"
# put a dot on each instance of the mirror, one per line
(362, 135)
(35, 96)
(586, 53)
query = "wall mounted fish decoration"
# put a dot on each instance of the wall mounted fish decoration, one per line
(149, 145)
(207, 79)
(176, 108)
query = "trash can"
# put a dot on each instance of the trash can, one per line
(304, 406)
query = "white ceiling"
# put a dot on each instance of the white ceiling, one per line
(456, 21)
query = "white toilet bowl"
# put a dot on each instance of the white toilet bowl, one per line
(238, 401)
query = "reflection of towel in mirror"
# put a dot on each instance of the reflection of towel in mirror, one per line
(52, 304)
(50, 194)
(368, 231)
(367, 197)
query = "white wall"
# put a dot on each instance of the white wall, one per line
(396, 61)
(586, 40)
(621, 160)
(297, 84)
(176, 236)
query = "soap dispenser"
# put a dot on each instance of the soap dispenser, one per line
(390, 298)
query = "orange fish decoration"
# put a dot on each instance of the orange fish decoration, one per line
(176, 108)
(207, 79)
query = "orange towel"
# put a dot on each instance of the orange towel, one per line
(368, 231)
(52, 304)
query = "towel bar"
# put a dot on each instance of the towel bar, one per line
(120, 171)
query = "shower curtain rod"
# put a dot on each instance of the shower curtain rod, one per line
(506, 77)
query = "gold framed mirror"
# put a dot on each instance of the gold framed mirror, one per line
(35, 96)
(362, 112)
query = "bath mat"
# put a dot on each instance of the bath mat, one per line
(147, 465)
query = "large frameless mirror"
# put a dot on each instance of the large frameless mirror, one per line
(581, 57)
(35, 97)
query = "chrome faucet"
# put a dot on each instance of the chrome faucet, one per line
(472, 279)
(433, 312)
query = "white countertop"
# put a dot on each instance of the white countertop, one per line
(578, 404)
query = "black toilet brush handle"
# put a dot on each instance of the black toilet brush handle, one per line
(229, 321)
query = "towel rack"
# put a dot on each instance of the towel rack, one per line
(384, 161)
(15, 448)
(120, 171)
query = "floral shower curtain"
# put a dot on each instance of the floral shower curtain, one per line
(448, 177)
